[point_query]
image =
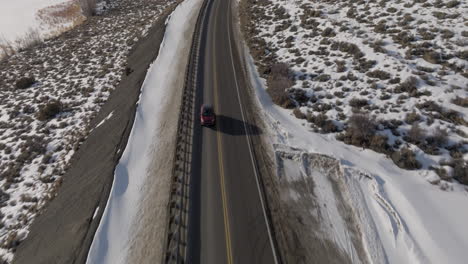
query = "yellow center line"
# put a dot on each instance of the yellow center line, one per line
(220, 153)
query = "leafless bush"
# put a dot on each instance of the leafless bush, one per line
(461, 101)
(452, 3)
(412, 117)
(416, 134)
(358, 102)
(328, 32)
(433, 57)
(439, 137)
(346, 47)
(25, 82)
(382, 75)
(460, 171)
(6, 48)
(322, 78)
(403, 38)
(406, 159)
(50, 110)
(278, 82)
(300, 96)
(359, 131)
(410, 86)
(29, 40)
(322, 122)
(298, 113)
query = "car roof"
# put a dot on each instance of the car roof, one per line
(207, 106)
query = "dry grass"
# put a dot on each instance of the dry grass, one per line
(60, 13)
(6, 48)
(56, 16)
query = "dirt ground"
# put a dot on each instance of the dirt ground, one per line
(64, 231)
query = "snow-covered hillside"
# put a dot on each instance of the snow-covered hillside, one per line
(402, 218)
(48, 97)
(390, 78)
(399, 67)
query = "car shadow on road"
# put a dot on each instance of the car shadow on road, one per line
(235, 127)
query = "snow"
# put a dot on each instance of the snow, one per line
(103, 121)
(96, 212)
(17, 17)
(111, 241)
(416, 222)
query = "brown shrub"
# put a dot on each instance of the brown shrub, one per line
(322, 122)
(358, 102)
(382, 75)
(298, 113)
(406, 159)
(50, 110)
(461, 101)
(410, 86)
(340, 66)
(433, 57)
(403, 38)
(25, 82)
(416, 134)
(452, 3)
(299, 95)
(328, 32)
(346, 47)
(412, 117)
(359, 131)
(460, 171)
(379, 143)
(322, 78)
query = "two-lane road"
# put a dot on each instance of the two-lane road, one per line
(228, 223)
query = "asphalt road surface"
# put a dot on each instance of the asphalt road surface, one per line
(227, 219)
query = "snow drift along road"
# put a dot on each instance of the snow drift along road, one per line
(155, 116)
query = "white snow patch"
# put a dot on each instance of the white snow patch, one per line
(96, 212)
(104, 120)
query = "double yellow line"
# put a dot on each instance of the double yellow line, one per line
(220, 151)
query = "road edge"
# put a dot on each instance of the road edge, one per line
(262, 151)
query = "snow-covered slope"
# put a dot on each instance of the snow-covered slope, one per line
(415, 221)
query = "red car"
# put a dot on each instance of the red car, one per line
(207, 115)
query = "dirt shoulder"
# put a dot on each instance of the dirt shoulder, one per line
(64, 231)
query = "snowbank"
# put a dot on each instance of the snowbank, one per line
(416, 222)
(112, 240)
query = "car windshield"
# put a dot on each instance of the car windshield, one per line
(207, 111)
